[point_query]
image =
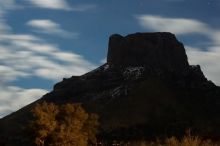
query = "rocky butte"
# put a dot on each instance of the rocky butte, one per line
(146, 89)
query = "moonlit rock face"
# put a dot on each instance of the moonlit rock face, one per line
(158, 50)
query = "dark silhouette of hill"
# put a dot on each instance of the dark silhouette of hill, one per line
(146, 89)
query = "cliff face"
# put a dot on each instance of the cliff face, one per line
(146, 88)
(156, 50)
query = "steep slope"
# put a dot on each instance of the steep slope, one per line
(146, 89)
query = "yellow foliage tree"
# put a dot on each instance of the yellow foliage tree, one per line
(44, 122)
(64, 125)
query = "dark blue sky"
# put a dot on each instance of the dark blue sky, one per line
(42, 41)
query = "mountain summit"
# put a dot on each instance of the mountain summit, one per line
(157, 50)
(146, 89)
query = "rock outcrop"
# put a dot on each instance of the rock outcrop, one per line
(156, 50)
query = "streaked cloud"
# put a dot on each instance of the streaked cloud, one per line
(3, 27)
(83, 7)
(17, 37)
(51, 4)
(104, 60)
(28, 56)
(25, 56)
(49, 27)
(13, 98)
(215, 36)
(44, 60)
(10, 74)
(174, 25)
(209, 59)
(7, 4)
(61, 5)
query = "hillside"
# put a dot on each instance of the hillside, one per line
(146, 89)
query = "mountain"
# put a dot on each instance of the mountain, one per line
(146, 89)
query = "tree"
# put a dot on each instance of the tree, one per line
(64, 125)
(44, 122)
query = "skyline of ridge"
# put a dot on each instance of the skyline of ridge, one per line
(43, 41)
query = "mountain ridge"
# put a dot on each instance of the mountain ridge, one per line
(146, 89)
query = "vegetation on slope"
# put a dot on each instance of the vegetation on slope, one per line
(63, 125)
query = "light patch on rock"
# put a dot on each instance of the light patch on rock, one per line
(134, 72)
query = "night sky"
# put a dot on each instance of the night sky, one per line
(43, 41)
